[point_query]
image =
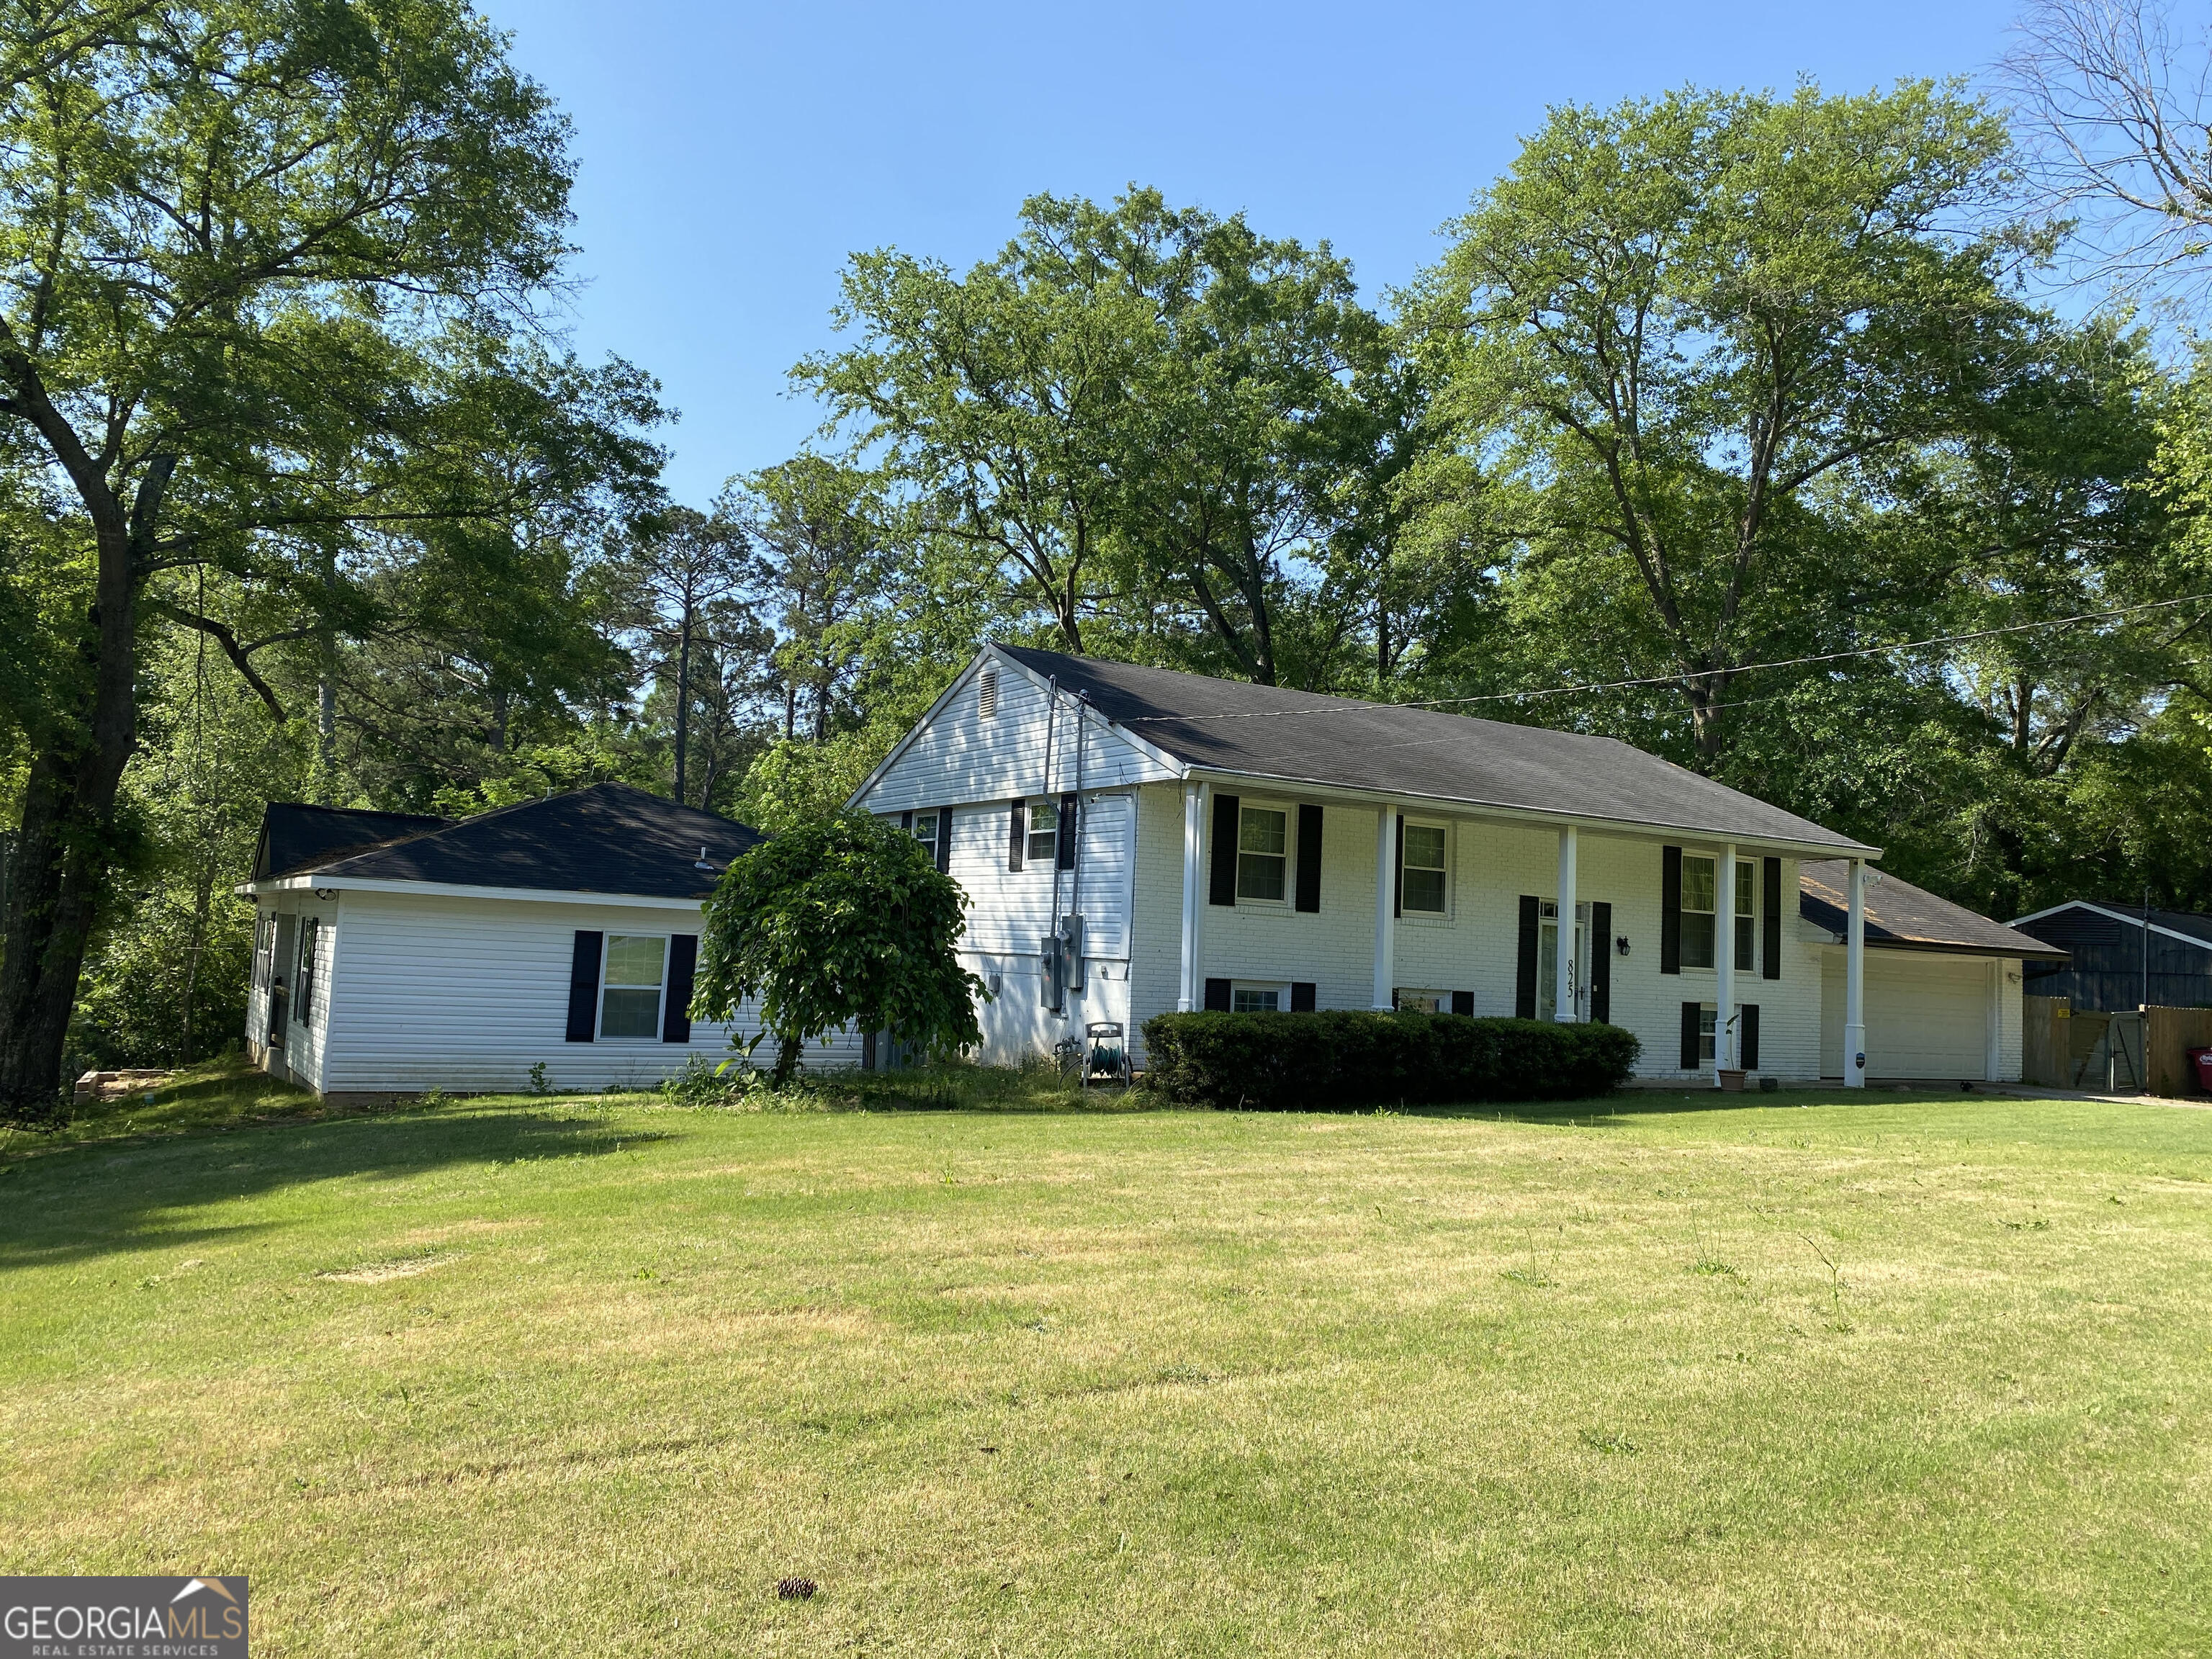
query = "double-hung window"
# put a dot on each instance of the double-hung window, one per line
(629, 994)
(1700, 896)
(1708, 1033)
(1263, 845)
(1044, 832)
(925, 829)
(1747, 914)
(1421, 871)
(1257, 999)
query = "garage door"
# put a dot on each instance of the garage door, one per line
(1926, 1015)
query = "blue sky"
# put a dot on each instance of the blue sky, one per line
(732, 154)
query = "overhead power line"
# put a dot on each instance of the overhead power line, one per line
(1681, 679)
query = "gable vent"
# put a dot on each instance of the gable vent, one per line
(987, 695)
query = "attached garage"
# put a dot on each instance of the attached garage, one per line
(1943, 985)
(1927, 1016)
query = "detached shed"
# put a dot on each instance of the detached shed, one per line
(2116, 958)
(396, 953)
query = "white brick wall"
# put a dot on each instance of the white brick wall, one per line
(1475, 948)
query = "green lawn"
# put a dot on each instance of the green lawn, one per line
(1868, 1375)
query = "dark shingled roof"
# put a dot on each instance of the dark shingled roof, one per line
(1902, 917)
(1298, 737)
(294, 836)
(608, 838)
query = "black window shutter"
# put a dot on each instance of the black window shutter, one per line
(1463, 1003)
(1747, 1036)
(906, 820)
(683, 964)
(1303, 996)
(1064, 844)
(1600, 963)
(944, 839)
(1217, 996)
(1223, 888)
(1524, 973)
(1018, 833)
(584, 986)
(1308, 891)
(1670, 909)
(1692, 1037)
(1771, 967)
(1398, 871)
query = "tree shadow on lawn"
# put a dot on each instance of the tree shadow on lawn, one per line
(75, 1202)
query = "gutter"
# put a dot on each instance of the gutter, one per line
(309, 881)
(1600, 825)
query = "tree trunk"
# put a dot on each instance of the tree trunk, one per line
(683, 698)
(786, 1062)
(327, 704)
(63, 847)
(326, 742)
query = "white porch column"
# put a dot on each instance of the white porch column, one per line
(1855, 982)
(1386, 907)
(1564, 966)
(1993, 1067)
(1724, 1044)
(1193, 853)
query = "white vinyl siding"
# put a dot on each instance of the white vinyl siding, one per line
(1010, 910)
(963, 756)
(433, 991)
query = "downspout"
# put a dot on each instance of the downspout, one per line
(1075, 847)
(1051, 962)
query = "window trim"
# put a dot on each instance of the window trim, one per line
(1709, 1034)
(1281, 989)
(607, 937)
(1047, 860)
(1743, 924)
(1685, 911)
(1289, 812)
(1405, 911)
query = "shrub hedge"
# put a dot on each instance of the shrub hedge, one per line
(1277, 1062)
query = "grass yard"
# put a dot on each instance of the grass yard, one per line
(1881, 1374)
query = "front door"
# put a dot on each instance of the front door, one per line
(1547, 964)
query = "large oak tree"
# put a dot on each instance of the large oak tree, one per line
(270, 284)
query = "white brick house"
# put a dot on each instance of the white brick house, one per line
(1246, 847)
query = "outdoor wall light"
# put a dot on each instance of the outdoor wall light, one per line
(1621, 944)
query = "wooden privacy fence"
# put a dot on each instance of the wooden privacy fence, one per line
(2145, 1051)
(2168, 1036)
(2043, 1051)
